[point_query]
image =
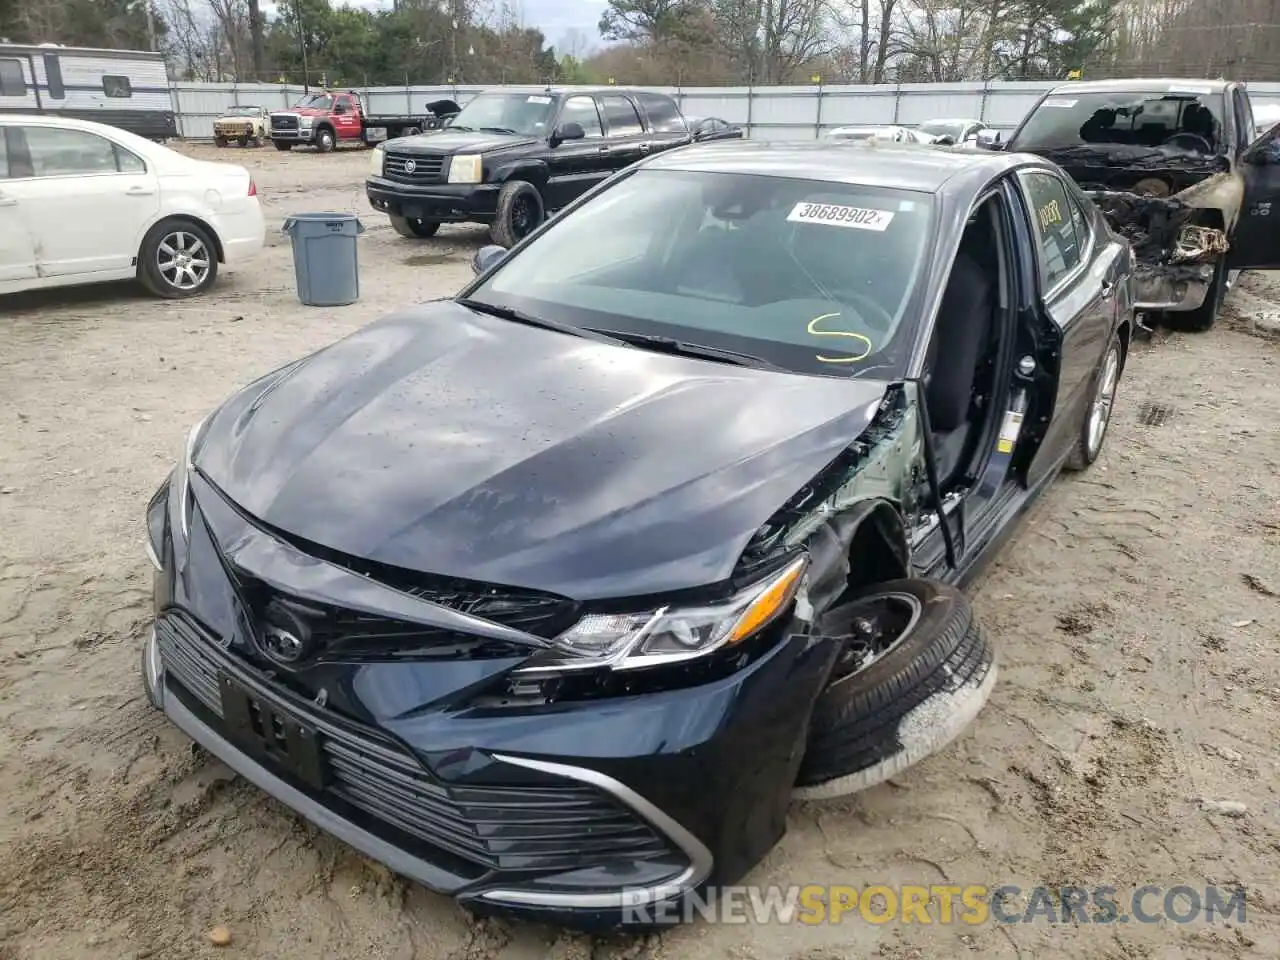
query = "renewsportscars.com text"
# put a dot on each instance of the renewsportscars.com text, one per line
(944, 904)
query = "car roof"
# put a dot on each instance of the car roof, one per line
(905, 166)
(53, 120)
(1147, 85)
(951, 120)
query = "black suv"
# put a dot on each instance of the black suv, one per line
(513, 156)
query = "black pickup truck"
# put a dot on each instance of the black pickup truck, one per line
(513, 156)
(1175, 169)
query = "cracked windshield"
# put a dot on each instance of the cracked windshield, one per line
(1183, 119)
(814, 277)
(522, 113)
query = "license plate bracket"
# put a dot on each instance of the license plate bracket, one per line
(266, 732)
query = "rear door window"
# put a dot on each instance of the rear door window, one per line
(1054, 221)
(59, 153)
(664, 116)
(621, 117)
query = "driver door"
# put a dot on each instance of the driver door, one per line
(346, 117)
(1255, 244)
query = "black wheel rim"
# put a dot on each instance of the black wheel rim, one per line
(523, 216)
(877, 624)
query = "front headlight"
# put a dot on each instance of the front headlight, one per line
(375, 162)
(673, 634)
(465, 168)
(306, 121)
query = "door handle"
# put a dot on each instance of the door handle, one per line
(644, 148)
(140, 191)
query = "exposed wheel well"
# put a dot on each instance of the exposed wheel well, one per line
(184, 218)
(878, 551)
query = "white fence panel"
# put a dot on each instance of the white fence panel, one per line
(768, 113)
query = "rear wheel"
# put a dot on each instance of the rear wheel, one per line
(324, 140)
(519, 213)
(414, 228)
(178, 259)
(283, 144)
(913, 672)
(1204, 316)
(1093, 431)
(219, 141)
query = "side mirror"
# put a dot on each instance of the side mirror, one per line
(569, 131)
(988, 140)
(486, 257)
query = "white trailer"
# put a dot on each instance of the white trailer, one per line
(128, 89)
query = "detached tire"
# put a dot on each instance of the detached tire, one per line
(520, 212)
(1206, 315)
(412, 228)
(913, 699)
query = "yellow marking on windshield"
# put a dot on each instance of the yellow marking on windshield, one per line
(839, 333)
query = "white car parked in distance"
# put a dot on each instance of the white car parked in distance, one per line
(966, 132)
(889, 132)
(82, 202)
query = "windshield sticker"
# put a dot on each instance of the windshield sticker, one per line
(539, 100)
(834, 215)
(1049, 214)
(1059, 102)
(864, 341)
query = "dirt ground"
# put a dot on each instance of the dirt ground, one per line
(1136, 612)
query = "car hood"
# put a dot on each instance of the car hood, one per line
(449, 442)
(448, 143)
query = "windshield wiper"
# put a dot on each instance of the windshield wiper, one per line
(454, 126)
(518, 316)
(686, 349)
(498, 130)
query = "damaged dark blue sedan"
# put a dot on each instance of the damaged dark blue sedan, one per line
(552, 595)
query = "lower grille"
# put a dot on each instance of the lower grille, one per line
(555, 827)
(413, 169)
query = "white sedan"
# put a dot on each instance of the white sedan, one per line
(889, 132)
(83, 202)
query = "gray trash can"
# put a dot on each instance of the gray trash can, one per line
(326, 263)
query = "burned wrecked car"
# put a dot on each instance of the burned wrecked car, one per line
(1174, 167)
(553, 594)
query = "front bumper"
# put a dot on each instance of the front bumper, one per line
(1176, 289)
(443, 202)
(293, 135)
(577, 836)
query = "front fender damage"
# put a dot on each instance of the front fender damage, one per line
(1177, 240)
(850, 517)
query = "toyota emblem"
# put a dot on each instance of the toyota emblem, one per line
(410, 166)
(281, 645)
